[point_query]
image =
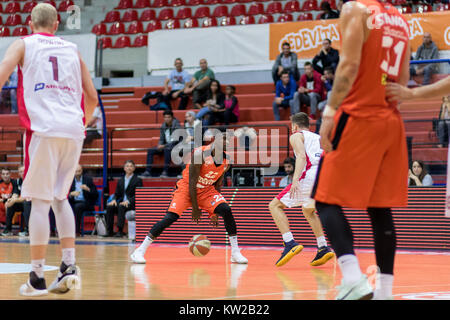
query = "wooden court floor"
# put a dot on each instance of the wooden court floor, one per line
(172, 272)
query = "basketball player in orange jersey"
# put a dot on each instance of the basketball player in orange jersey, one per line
(366, 163)
(54, 93)
(200, 189)
(307, 151)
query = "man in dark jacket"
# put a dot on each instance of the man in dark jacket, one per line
(82, 197)
(124, 200)
(165, 144)
(286, 61)
(327, 57)
(427, 50)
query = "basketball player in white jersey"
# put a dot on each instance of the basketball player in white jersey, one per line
(54, 87)
(307, 151)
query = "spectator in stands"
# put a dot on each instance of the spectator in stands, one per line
(444, 122)
(94, 128)
(286, 61)
(284, 93)
(12, 83)
(124, 200)
(418, 175)
(214, 103)
(327, 13)
(327, 57)
(17, 204)
(289, 166)
(246, 137)
(327, 79)
(82, 197)
(229, 110)
(199, 84)
(310, 91)
(177, 80)
(190, 124)
(6, 191)
(165, 144)
(426, 51)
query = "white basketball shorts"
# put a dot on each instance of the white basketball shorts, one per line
(303, 197)
(50, 165)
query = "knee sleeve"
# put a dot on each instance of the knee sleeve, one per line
(166, 222)
(64, 218)
(224, 211)
(39, 225)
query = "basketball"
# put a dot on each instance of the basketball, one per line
(199, 245)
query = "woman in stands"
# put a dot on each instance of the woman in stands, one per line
(418, 175)
(229, 112)
(214, 103)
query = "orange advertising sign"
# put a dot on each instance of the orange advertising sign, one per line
(306, 37)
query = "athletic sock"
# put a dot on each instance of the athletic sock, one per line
(321, 242)
(145, 244)
(385, 289)
(349, 265)
(68, 256)
(288, 237)
(38, 267)
(233, 242)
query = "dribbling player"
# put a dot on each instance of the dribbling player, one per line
(307, 151)
(52, 80)
(366, 163)
(200, 189)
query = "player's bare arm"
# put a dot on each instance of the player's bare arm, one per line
(297, 143)
(13, 57)
(354, 32)
(89, 91)
(397, 92)
(194, 174)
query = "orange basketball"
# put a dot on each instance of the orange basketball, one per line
(199, 245)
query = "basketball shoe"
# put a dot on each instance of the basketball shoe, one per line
(68, 278)
(138, 256)
(360, 290)
(323, 255)
(34, 287)
(291, 249)
(237, 257)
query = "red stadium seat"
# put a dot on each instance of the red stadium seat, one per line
(227, 21)
(202, 12)
(140, 4)
(147, 15)
(213, 1)
(209, 22)
(247, 20)
(292, 6)
(195, 2)
(125, 4)
(153, 25)
(106, 42)
(28, 6)
(160, 3)
(140, 41)
(310, 5)
(238, 10)
(130, 15)
(116, 28)
(53, 3)
(304, 16)
(1, 8)
(4, 32)
(184, 13)
(285, 17)
(191, 23)
(99, 29)
(424, 8)
(27, 20)
(274, 7)
(266, 18)
(331, 2)
(12, 7)
(398, 2)
(230, 1)
(112, 16)
(166, 14)
(13, 20)
(172, 24)
(135, 27)
(20, 31)
(178, 3)
(256, 8)
(406, 9)
(220, 11)
(1, 21)
(443, 7)
(122, 42)
(64, 5)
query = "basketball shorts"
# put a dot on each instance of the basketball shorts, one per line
(50, 165)
(368, 166)
(303, 197)
(207, 200)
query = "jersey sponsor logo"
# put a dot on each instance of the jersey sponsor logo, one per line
(318, 154)
(39, 86)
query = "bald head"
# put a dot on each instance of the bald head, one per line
(427, 38)
(44, 16)
(79, 171)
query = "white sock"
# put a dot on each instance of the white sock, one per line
(233, 242)
(38, 267)
(288, 236)
(145, 244)
(384, 290)
(68, 256)
(349, 265)
(321, 242)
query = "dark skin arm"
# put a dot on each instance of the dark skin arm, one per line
(194, 173)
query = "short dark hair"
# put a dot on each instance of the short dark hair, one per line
(232, 87)
(168, 112)
(329, 69)
(284, 72)
(307, 63)
(6, 169)
(286, 44)
(329, 41)
(130, 161)
(301, 119)
(289, 160)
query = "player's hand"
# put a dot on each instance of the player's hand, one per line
(396, 92)
(295, 189)
(214, 220)
(325, 133)
(196, 215)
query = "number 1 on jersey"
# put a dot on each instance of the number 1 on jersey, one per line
(387, 43)
(54, 61)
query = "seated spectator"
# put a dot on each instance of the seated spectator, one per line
(229, 113)
(327, 57)
(310, 92)
(328, 13)
(289, 167)
(124, 200)
(6, 191)
(286, 61)
(214, 103)
(94, 128)
(327, 79)
(426, 51)
(284, 92)
(190, 123)
(418, 175)
(165, 144)
(444, 122)
(17, 204)
(199, 84)
(177, 80)
(82, 197)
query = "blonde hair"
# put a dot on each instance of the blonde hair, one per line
(44, 15)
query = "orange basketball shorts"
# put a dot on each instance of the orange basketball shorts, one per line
(368, 166)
